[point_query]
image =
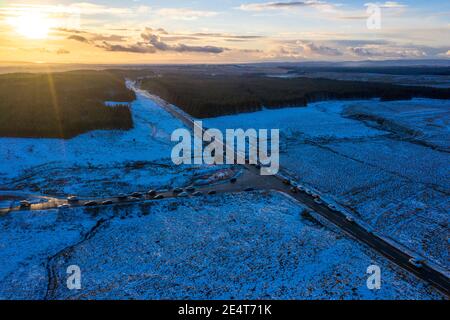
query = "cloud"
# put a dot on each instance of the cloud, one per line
(78, 38)
(185, 14)
(157, 43)
(388, 4)
(388, 52)
(134, 48)
(153, 43)
(284, 5)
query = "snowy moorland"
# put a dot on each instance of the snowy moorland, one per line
(99, 163)
(244, 246)
(387, 162)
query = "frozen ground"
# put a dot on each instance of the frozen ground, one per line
(100, 162)
(387, 162)
(252, 245)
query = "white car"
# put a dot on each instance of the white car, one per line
(332, 207)
(349, 218)
(417, 262)
(72, 198)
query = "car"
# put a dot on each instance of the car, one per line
(233, 180)
(136, 194)
(307, 191)
(332, 207)
(197, 194)
(417, 262)
(159, 197)
(212, 192)
(63, 206)
(151, 193)
(183, 194)
(286, 181)
(133, 199)
(294, 190)
(107, 202)
(72, 199)
(293, 183)
(349, 218)
(318, 201)
(249, 189)
(25, 204)
(315, 196)
(190, 189)
(300, 188)
(122, 196)
(91, 203)
(177, 190)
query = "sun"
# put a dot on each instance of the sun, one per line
(32, 24)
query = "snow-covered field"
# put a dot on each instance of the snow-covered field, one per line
(242, 246)
(99, 162)
(386, 161)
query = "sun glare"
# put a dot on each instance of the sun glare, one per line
(32, 24)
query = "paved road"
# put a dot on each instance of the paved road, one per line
(251, 178)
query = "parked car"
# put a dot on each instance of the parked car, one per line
(190, 189)
(122, 196)
(249, 189)
(91, 203)
(300, 188)
(151, 193)
(197, 194)
(417, 262)
(63, 206)
(177, 190)
(136, 194)
(233, 180)
(212, 192)
(25, 204)
(318, 201)
(72, 199)
(286, 181)
(332, 207)
(107, 202)
(183, 194)
(349, 218)
(294, 190)
(159, 197)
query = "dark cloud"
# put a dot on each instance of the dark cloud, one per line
(134, 48)
(154, 40)
(78, 38)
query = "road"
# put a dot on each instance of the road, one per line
(251, 177)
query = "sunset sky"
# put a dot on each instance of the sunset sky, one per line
(174, 31)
